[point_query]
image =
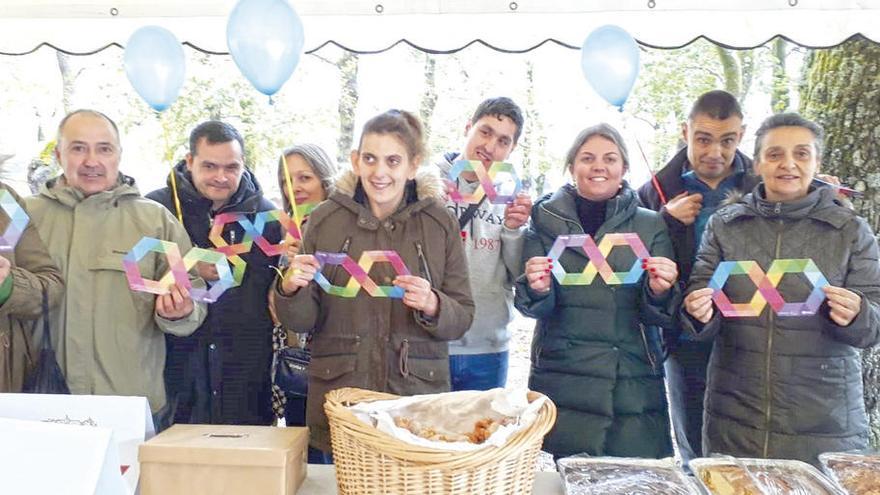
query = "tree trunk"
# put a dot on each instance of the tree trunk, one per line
(348, 99)
(841, 91)
(779, 97)
(67, 80)
(429, 96)
(732, 72)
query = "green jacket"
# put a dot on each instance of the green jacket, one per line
(108, 338)
(590, 352)
(378, 343)
(32, 273)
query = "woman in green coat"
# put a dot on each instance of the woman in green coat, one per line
(592, 352)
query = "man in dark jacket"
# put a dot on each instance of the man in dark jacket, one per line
(687, 191)
(220, 374)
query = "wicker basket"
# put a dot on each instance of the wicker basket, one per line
(369, 461)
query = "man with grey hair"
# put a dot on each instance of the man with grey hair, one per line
(109, 339)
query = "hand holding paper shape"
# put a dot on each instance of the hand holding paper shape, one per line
(359, 273)
(766, 288)
(598, 263)
(288, 228)
(18, 220)
(178, 269)
(486, 178)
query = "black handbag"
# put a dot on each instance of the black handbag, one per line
(46, 377)
(290, 370)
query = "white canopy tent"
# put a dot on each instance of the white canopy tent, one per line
(83, 26)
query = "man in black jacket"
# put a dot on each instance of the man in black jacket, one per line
(220, 374)
(686, 192)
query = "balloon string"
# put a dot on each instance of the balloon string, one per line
(654, 180)
(297, 219)
(171, 174)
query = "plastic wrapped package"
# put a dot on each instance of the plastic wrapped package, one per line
(857, 473)
(736, 476)
(584, 475)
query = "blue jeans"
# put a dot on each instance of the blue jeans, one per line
(686, 377)
(478, 371)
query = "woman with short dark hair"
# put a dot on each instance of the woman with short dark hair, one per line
(787, 385)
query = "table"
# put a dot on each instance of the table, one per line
(321, 480)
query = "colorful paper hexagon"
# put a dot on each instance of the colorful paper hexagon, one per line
(342, 259)
(366, 262)
(288, 226)
(486, 186)
(18, 220)
(495, 196)
(176, 274)
(583, 241)
(763, 287)
(216, 234)
(630, 276)
(218, 287)
(806, 266)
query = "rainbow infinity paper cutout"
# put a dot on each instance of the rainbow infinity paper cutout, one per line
(486, 178)
(766, 288)
(359, 273)
(598, 258)
(18, 220)
(253, 233)
(178, 269)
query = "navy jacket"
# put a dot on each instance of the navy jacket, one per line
(220, 374)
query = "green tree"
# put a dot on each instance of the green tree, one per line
(348, 74)
(841, 90)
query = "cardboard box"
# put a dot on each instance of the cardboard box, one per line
(224, 459)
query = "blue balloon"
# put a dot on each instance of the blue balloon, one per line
(610, 61)
(265, 38)
(155, 65)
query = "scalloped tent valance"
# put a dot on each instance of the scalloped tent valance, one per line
(443, 26)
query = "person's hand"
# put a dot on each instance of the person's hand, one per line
(662, 273)
(293, 248)
(833, 179)
(448, 189)
(418, 295)
(175, 305)
(845, 304)
(5, 268)
(301, 271)
(685, 207)
(537, 273)
(516, 213)
(699, 304)
(208, 271)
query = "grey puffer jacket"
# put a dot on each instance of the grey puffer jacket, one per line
(787, 387)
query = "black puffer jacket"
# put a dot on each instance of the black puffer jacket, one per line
(590, 352)
(220, 374)
(788, 387)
